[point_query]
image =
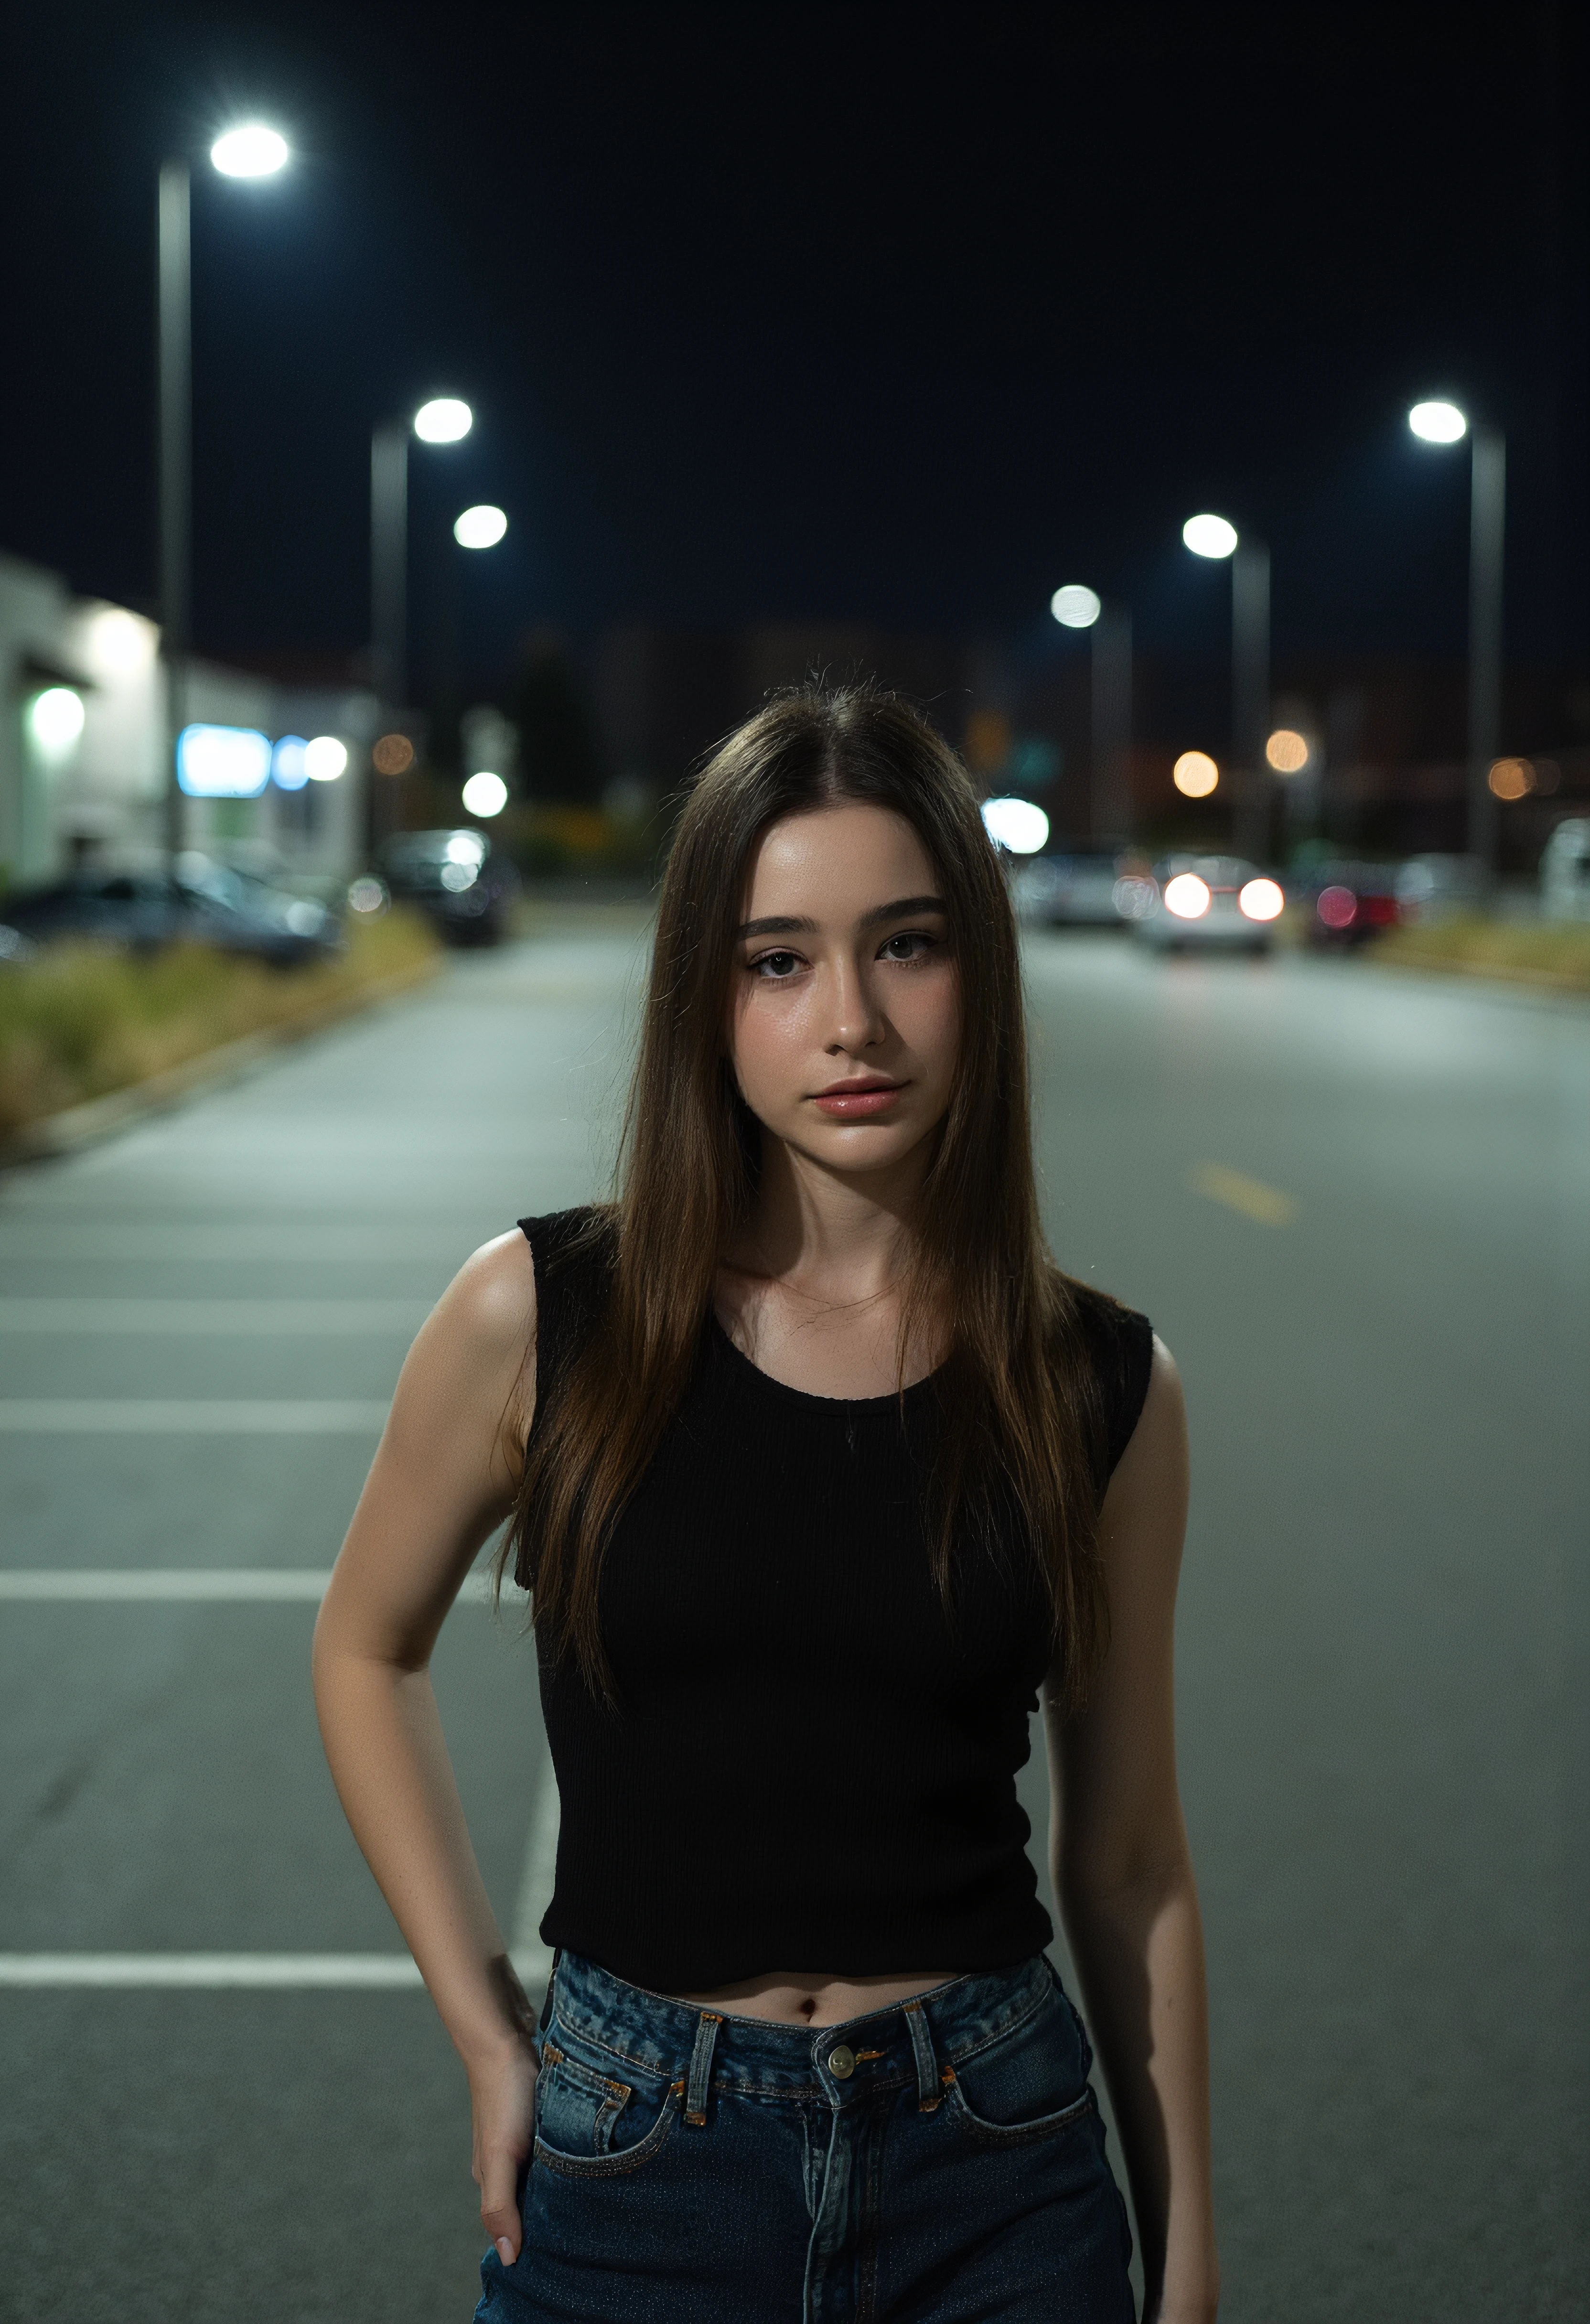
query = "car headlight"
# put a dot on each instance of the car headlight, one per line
(1261, 900)
(1187, 896)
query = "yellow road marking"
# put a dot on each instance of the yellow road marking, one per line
(1238, 1192)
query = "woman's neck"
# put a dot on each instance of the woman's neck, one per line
(843, 1240)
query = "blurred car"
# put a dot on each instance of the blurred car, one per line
(1350, 902)
(206, 903)
(1070, 888)
(1442, 887)
(1564, 872)
(1202, 902)
(465, 885)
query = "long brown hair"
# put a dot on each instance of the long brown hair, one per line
(1021, 1417)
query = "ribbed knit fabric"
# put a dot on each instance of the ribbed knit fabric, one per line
(810, 1767)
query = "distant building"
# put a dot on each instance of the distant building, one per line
(83, 744)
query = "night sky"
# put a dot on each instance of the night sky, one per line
(901, 316)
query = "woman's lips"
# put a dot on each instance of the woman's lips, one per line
(856, 1104)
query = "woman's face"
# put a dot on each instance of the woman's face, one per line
(845, 1016)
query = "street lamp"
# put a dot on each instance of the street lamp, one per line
(445, 419)
(1077, 607)
(1217, 537)
(249, 150)
(1442, 423)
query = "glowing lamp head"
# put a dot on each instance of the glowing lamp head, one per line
(1209, 536)
(480, 528)
(249, 151)
(55, 720)
(1016, 823)
(1195, 774)
(485, 794)
(1187, 896)
(442, 420)
(1437, 423)
(1260, 900)
(1075, 607)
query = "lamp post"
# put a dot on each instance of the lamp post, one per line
(1215, 537)
(248, 150)
(1437, 422)
(1077, 607)
(445, 419)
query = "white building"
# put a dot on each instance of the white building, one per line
(83, 745)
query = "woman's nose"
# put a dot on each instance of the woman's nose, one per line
(858, 1021)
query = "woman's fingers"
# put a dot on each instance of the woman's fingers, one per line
(499, 2183)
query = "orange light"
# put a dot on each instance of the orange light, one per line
(1511, 778)
(1287, 751)
(1195, 774)
(1187, 896)
(1261, 900)
(392, 755)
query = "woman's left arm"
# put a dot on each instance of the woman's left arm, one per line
(1122, 1875)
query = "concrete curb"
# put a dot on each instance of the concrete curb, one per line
(100, 1116)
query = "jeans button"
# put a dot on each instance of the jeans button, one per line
(841, 2062)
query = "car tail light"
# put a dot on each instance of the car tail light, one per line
(1338, 907)
(1378, 911)
(1187, 896)
(1261, 900)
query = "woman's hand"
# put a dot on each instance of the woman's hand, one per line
(503, 2101)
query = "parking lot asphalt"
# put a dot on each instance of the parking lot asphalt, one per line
(1357, 1206)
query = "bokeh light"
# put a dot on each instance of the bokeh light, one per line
(1261, 900)
(325, 759)
(1076, 607)
(288, 767)
(1338, 907)
(55, 719)
(1187, 896)
(1287, 751)
(393, 755)
(1209, 536)
(1437, 423)
(1016, 823)
(1511, 778)
(1195, 774)
(485, 794)
(367, 895)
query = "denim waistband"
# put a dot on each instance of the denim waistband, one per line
(922, 2040)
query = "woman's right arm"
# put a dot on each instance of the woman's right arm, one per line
(442, 1480)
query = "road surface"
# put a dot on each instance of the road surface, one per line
(1357, 1207)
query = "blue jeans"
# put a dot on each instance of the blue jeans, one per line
(939, 2160)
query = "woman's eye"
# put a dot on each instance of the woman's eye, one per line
(909, 944)
(775, 966)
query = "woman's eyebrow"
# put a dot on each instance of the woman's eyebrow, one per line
(778, 926)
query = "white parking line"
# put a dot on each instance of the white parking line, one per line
(98, 1241)
(305, 1318)
(41, 1416)
(130, 1971)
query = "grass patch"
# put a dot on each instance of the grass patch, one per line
(83, 1019)
(1553, 952)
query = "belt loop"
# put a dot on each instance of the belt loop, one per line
(545, 2020)
(701, 2068)
(928, 2092)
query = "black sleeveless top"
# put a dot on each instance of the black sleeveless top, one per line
(810, 1766)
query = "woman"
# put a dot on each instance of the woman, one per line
(819, 1473)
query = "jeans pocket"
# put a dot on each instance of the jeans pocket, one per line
(1029, 2083)
(589, 2125)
